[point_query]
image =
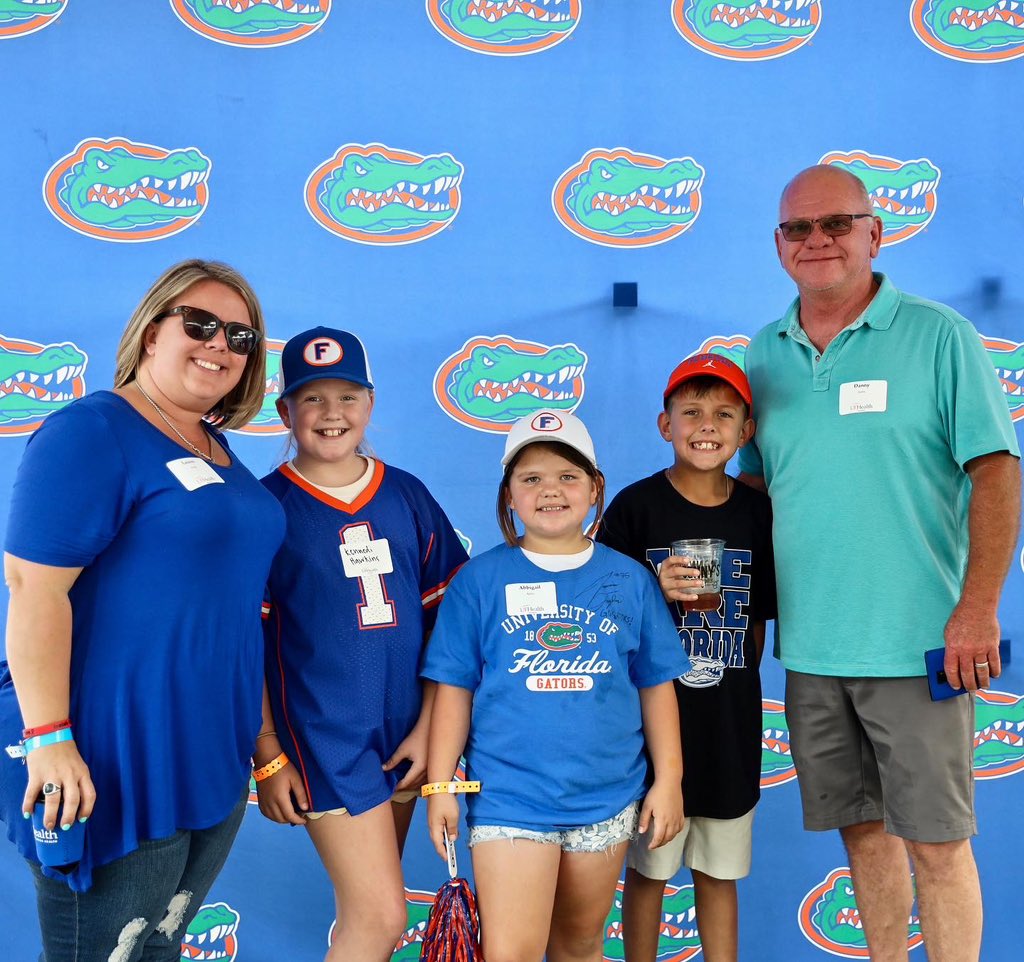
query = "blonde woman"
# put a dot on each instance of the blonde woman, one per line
(136, 554)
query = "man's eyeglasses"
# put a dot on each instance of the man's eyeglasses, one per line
(201, 325)
(833, 225)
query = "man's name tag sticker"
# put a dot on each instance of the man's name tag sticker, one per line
(367, 558)
(532, 598)
(863, 397)
(193, 473)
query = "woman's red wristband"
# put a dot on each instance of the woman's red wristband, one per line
(45, 729)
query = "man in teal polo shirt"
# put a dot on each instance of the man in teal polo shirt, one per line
(886, 445)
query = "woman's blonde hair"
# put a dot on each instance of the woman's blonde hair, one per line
(239, 406)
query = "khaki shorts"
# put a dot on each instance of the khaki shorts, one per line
(406, 795)
(870, 749)
(718, 847)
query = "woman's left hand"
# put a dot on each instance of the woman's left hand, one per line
(663, 806)
(412, 748)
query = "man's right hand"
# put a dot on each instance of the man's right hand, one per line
(677, 579)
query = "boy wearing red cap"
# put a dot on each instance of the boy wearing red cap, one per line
(706, 419)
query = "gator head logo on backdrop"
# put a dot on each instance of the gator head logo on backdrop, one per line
(118, 190)
(267, 420)
(998, 734)
(677, 935)
(410, 943)
(777, 766)
(507, 28)
(902, 191)
(747, 29)
(829, 919)
(19, 17)
(36, 380)
(975, 31)
(253, 23)
(1008, 359)
(620, 198)
(733, 347)
(374, 194)
(212, 934)
(491, 382)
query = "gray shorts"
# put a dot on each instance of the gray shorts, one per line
(870, 749)
(587, 838)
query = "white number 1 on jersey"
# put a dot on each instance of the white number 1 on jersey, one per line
(375, 611)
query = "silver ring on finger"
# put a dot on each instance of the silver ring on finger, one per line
(51, 788)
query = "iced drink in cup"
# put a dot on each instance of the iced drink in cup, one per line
(704, 554)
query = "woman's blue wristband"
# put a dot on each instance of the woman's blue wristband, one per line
(50, 738)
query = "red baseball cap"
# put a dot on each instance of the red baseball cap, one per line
(710, 365)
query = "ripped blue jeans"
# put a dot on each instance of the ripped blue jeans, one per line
(140, 905)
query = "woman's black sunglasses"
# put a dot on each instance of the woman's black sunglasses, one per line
(201, 325)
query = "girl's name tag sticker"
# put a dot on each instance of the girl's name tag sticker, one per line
(193, 473)
(367, 558)
(532, 598)
(863, 397)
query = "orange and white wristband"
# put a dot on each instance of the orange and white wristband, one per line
(449, 788)
(271, 768)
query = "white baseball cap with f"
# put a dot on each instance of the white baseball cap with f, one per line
(549, 426)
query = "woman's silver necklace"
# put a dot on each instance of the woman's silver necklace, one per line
(174, 427)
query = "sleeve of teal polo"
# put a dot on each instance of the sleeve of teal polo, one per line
(971, 402)
(750, 460)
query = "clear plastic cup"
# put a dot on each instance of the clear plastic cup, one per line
(704, 554)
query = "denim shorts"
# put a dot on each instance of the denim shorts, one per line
(588, 838)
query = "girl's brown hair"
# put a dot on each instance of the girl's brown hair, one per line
(503, 509)
(239, 406)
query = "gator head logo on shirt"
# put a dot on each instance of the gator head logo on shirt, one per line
(559, 636)
(267, 420)
(253, 23)
(829, 919)
(902, 191)
(491, 382)
(620, 198)
(677, 935)
(505, 28)
(118, 190)
(36, 380)
(747, 29)
(1008, 359)
(975, 31)
(998, 734)
(374, 194)
(777, 766)
(19, 17)
(211, 935)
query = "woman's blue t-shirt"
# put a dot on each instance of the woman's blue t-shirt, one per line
(167, 650)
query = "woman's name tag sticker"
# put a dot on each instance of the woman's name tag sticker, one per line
(367, 558)
(532, 598)
(863, 397)
(193, 473)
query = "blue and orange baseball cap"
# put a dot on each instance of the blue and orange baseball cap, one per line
(324, 352)
(710, 365)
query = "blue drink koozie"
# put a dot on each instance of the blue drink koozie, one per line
(56, 848)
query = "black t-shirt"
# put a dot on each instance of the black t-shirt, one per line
(720, 697)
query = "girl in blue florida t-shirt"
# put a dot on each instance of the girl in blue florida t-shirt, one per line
(554, 659)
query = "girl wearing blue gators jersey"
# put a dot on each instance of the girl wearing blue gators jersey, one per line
(352, 594)
(554, 659)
